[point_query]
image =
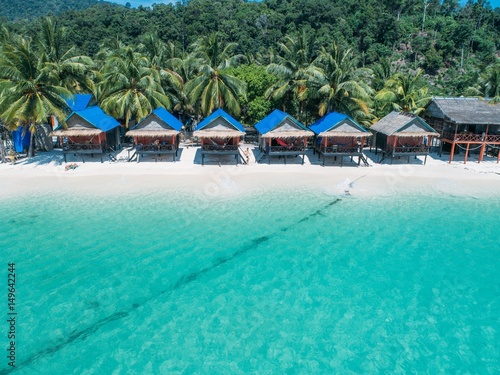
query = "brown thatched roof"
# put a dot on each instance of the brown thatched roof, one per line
(472, 111)
(226, 133)
(288, 134)
(403, 125)
(344, 134)
(346, 129)
(76, 132)
(151, 133)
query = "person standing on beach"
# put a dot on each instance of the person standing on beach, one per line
(247, 154)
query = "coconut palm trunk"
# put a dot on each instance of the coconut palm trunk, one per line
(2, 150)
(31, 150)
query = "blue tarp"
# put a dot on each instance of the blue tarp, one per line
(21, 139)
(272, 120)
(224, 115)
(79, 102)
(96, 117)
(166, 117)
(331, 120)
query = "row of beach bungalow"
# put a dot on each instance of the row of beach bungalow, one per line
(461, 124)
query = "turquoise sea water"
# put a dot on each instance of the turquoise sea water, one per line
(294, 282)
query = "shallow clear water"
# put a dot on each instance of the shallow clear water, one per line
(270, 282)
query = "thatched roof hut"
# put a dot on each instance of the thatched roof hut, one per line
(157, 134)
(282, 135)
(473, 111)
(220, 135)
(338, 135)
(403, 125)
(471, 125)
(89, 131)
(403, 134)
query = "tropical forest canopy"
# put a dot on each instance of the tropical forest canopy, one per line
(308, 57)
(29, 9)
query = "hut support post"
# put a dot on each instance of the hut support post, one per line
(481, 152)
(466, 153)
(304, 147)
(394, 142)
(453, 144)
(269, 151)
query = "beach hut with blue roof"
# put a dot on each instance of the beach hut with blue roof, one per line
(339, 136)
(220, 134)
(282, 135)
(88, 132)
(76, 102)
(157, 134)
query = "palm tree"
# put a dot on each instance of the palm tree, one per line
(29, 90)
(213, 88)
(382, 72)
(488, 83)
(403, 92)
(71, 68)
(339, 84)
(185, 70)
(130, 88)
(290, 69)
(166, 60)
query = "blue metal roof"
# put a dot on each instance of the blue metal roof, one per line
(225, 116)
(272, 120)
(78, 102)
(330, 121)
(166, 117)
(96, 117)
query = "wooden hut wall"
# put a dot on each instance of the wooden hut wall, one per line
(399, 141)
(88, 139)
(233, 141)
(148, 140)
(342, 141)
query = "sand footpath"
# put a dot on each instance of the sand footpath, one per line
(47, 172)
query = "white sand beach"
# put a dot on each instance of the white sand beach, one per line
(47, 172)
